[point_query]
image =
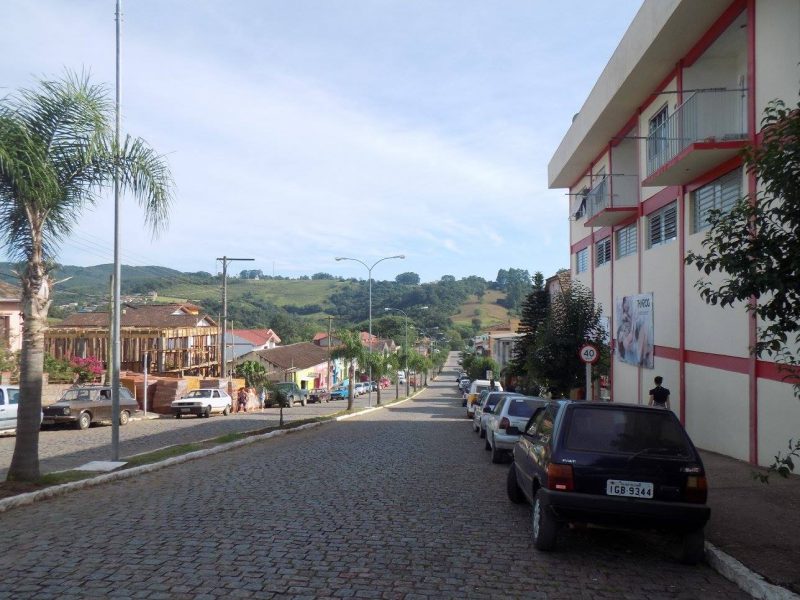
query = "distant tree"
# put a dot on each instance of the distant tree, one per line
(322, 276)
(448, 279)
(253, 372)
(381, 364)
(408, 278)
(573, 319)
(476, 325)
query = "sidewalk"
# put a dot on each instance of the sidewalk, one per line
(756, 523)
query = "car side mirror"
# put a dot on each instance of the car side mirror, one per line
(512, 430)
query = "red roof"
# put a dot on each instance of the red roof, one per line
(258, 337)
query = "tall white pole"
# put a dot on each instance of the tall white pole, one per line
(146, 365)
(369, 348)
(115, 334)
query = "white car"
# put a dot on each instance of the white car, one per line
(505, 422)
(203, 403)
(9, 399)
(475, 389)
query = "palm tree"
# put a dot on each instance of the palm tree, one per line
(351, 350)
(57, 152)
(381, 365)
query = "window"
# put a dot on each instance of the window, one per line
(602, 251)
(663, 225)
(721, 194)
(627, 241)
(580, 202)
(582, 261)
(656, 143)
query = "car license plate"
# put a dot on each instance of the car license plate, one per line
(184, 410)
(633, 489)
(48, 421)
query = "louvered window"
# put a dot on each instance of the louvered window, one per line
(721, 194)
(582, 260)
(626, 241)
(663, 225)
(602, 251)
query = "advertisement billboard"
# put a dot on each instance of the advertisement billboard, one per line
(634, 335)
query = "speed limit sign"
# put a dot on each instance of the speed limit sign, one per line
(589, 354)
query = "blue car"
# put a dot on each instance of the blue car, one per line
(339, 393)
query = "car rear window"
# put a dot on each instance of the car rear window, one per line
(522, 407)
(603, 430)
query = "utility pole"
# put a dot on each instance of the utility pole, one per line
(223, 370)
(330, 320)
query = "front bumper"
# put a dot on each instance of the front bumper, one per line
(188, 410)
(59, 419)
(635, 513)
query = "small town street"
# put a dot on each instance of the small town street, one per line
(397, 503)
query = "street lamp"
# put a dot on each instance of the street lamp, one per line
(369, 277)
(405, 314)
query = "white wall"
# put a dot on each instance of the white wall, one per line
(777, 52)
(717, 410)
(778, 419)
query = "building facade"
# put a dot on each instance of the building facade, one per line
(10, 317)
(655, 146)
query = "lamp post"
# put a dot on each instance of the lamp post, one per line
(369, 277)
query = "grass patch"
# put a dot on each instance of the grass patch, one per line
(49, 479)
(229, 437)
(163, 454)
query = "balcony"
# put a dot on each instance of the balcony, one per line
(612, 200)
(705, 131)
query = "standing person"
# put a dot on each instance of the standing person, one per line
(659, 395)
(242, 400)
(262, 399)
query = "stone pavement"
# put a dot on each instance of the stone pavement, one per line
(398, 503)
(65, 448)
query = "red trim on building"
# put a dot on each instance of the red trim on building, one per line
(660, 199)
(667, 352)
(715, 173)
(716, 30)
(735, 364)
(776, 372)
(580, 245)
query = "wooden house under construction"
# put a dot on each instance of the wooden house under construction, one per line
(178, 338)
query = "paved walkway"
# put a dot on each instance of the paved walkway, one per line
(401, 503)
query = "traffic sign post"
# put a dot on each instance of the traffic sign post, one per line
(589, 355)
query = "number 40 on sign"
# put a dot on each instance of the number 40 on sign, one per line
(589, 354)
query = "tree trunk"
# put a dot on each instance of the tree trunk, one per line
(35, 304)
(350, 385)
(378, 392)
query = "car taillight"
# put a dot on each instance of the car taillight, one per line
(696, 489)
(505, 423)
(559, 478)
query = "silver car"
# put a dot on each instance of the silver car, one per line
(506, 421)
(485, 409)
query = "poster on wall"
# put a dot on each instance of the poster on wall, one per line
(634, 335)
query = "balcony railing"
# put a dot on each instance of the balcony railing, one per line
(710, 116)
(601, 196)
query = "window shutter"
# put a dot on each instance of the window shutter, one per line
(670, 218)
(655, 229)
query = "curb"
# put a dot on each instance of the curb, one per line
(13, 502)
(749, 581)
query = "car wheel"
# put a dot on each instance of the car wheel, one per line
(482, 432)
(84, 420)
(498, 455)
(543, 524)
(226, 411)
(512, 487)
(694, 547)
(303, 402)
(474, 427)
(124, 417)
(208, 411)
(486, 444)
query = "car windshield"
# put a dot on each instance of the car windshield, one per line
(73, 395)
(199, 394)
(523, 407)
(634, 431)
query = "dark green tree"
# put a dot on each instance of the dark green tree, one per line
(535, 309)
(573, 320)
(408, 278)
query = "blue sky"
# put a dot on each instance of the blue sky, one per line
(300, 131)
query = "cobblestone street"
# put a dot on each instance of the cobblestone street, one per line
(398, 503)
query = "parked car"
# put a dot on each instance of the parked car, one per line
(484, 409)
(9, 400)
(203, 403)
(505, 422)
(622, 465)
(86, 404)
(362, 387)
(475, 388)
(290, 393)
(339, 393)
(319, 395)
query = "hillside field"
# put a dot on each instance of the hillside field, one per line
(487, 310)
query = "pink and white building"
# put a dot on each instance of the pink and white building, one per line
(655, 146)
